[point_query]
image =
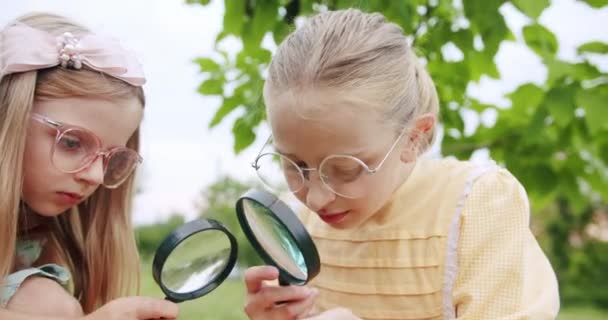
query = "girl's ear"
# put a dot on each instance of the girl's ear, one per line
(417, 137)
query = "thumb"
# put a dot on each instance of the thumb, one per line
(151, 308)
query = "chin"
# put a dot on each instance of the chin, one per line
(50, 210)
(340, 226)
(346, 224)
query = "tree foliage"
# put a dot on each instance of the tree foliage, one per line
(149, 237)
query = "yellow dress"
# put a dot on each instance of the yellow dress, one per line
(453, 243)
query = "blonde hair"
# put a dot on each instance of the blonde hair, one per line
(97, 241)
(362, 56)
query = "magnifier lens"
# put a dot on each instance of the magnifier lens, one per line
(275, 239)
(278, 236)
(196, 261)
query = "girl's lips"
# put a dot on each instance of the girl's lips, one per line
(70, 198)
(333, 218)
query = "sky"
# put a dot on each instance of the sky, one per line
(181, 154)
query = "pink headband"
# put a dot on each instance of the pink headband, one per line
(24, 48)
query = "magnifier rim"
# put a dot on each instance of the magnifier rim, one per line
(294, 227)
(179, 235)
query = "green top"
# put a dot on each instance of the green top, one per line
(27, 252)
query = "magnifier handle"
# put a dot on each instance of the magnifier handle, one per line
(168, 299)
(283, 282)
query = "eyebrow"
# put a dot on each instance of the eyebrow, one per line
(56, 124)
(359, 155)
(282, 152)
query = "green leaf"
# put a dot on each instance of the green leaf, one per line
(281, 30)
(537, 122)
(201, 2)
(570, 187)
(207, 64)
(463, 39)
(306, 7)
(261, 55)
(539, 179)
(243, 134)
(526, 98)
(452, 119)
(599, 183)
(450, 74)
(263, 20)
(596, 3)
(487, 21)
(524, 102)
(482, 14)
(531, 8)
(402, 13)
(220, 36)
(603, 151)
(229, 104)
(481, 63)
(593, 47)
(559, 70)
(594, 102)
(540, 39)
(342, 4)
(211, 87)
(493, 37)
(560, 103)
(479, 107)
(234, 17)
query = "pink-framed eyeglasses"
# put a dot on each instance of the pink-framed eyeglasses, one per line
(76, 148)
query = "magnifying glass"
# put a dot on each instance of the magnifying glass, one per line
(194, 259)
(278, 236)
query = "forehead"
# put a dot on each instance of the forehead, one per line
(324, 123)
(113, 121)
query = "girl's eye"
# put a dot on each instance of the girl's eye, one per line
(68, 143)
(344, 174)
(301, 164)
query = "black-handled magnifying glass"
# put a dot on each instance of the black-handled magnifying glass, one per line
(278, 236)
(194, 259)
(198, 256)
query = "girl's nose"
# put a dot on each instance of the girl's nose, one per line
(93, 174)
(318, 194)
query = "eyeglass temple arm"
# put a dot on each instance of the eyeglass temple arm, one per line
(389, 151)
(42, 119)
(254, 162)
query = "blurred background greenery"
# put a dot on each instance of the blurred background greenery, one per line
(553, 135)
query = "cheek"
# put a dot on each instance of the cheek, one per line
(301, 196)
(379, 190)
(367, 204)
(40, 181)
(38, 170)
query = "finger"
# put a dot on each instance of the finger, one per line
(299, 310)
(264, 303)
(255, 276)
(269, 297)
(295, 310)
(150, 308)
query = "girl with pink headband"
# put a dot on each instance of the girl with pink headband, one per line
(71, 103)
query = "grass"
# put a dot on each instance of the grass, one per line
(226, 303)
(582, 313)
